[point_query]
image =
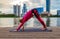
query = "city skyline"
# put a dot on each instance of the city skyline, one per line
(6, 6)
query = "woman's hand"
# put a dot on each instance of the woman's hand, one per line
(20, 20)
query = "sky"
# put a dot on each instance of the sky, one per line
(6, 6)
(55, 4)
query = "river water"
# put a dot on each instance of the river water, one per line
(33, 22)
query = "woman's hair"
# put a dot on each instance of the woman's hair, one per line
(34, 10)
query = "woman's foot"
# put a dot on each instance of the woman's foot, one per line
(43, 29)
(15, 30)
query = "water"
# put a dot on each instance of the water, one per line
(58, 22)
(6, 22)
(33, 22)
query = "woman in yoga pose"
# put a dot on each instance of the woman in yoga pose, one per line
(30, 14)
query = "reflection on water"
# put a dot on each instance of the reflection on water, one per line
(37, 23)
(29, 23)
(53, 21)
(33, 22)
(6, 22)
(58, 22)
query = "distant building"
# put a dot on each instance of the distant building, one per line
(48, 6)
(48, 10)
(16, 10)
(24, 9)
(53, 12)
(58, 12)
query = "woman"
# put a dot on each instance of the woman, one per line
(30, 14)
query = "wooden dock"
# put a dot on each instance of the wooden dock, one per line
(5, 34)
